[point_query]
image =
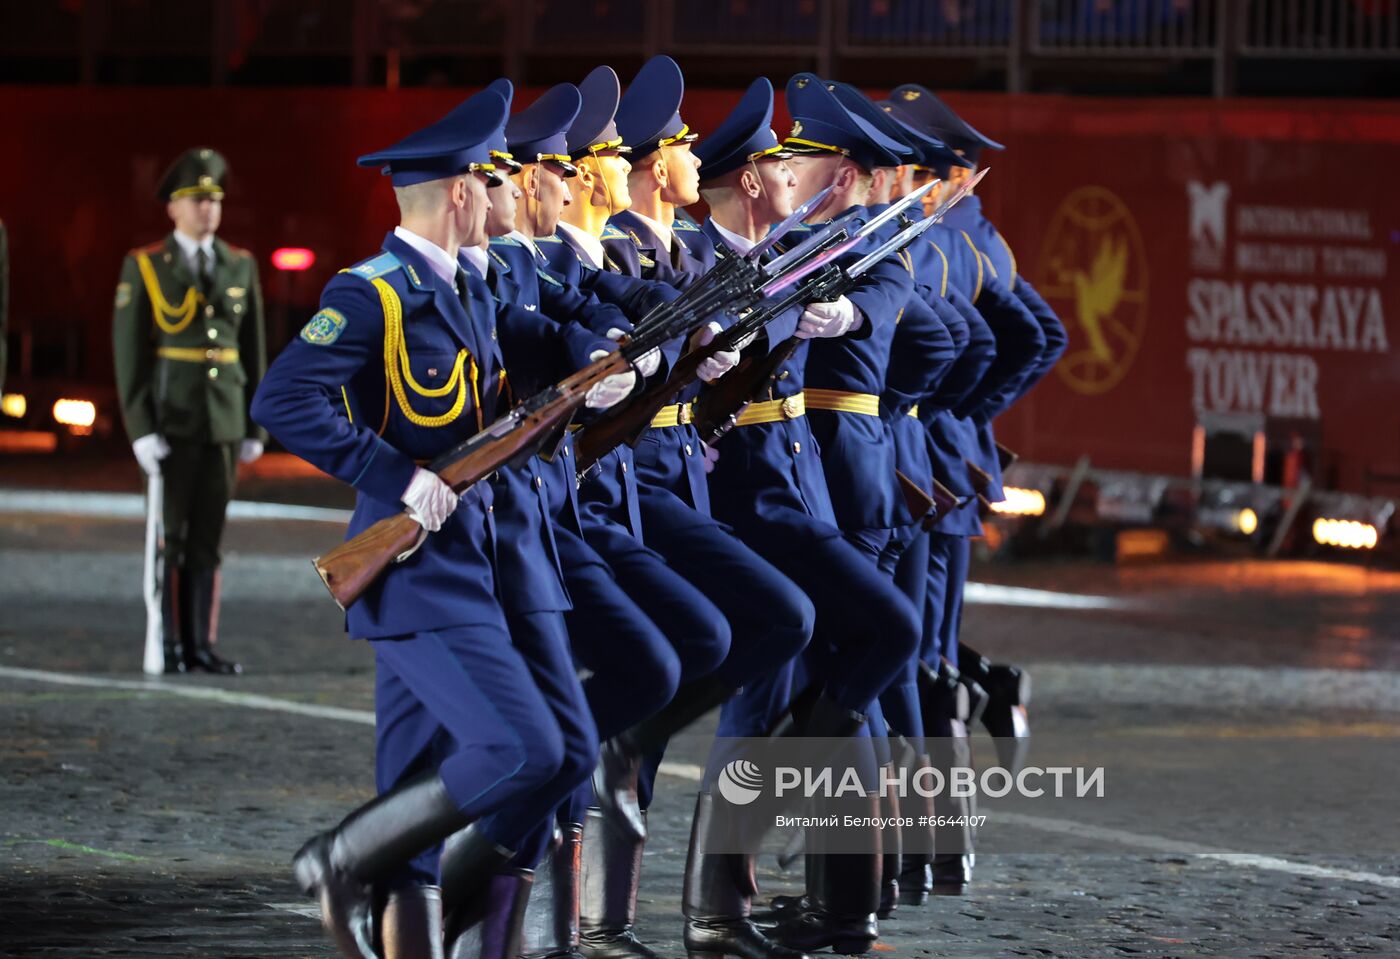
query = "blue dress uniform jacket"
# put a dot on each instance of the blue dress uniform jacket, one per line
(331, 399)
(691, 254)
(857, 452)
(538, 351)
(769, 476)
(668, 457)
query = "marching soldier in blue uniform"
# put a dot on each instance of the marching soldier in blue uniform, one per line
(400, 364)
(769, 618)
(532, 590)
(664, 175)
(770, 484)
(632, 669)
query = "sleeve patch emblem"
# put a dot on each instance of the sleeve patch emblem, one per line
(324, 328)
(123, 295)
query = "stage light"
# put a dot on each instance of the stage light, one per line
(1020, 502)
(1247, 521)
(1345, 533)
(293, 258)
(14, 404)
(80, 414)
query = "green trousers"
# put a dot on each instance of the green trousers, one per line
(199, 481)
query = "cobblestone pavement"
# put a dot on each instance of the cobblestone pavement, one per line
(140, 821)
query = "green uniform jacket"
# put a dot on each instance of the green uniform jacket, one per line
(187, 368)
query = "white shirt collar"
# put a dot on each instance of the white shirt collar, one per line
(590, 245)
(444, 264)
(527, 242)
(476, 256)
(191, 247)
(740, 244)
(661, 230)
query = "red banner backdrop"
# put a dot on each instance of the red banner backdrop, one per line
(1223, 257)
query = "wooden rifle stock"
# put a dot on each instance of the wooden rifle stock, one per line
(350, 568)
(1006, 456)
(981, 479)
(944, 502)
(916, 499)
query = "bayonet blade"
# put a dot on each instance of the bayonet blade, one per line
(794, 218)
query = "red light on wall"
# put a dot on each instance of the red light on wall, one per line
(293, 258)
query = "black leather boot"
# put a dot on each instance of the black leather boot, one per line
(715, 901)
(889, 854)
(339, 867)
(620, 759)
(944, 703)
(845, 894)
(916, 856)
(469, 861)
(1008, 695)
(551, 918)
(493, 919)
(610, 877)
(203, 593)
(172, 625)
(411, 927)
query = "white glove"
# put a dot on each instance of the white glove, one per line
(711, 457)
(719, 364)
(249, 451)
(648, 363)
(150, 450)
(429, 500)
(827, 320)
(612, 390)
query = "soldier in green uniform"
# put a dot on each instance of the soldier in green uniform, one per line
(188, 343)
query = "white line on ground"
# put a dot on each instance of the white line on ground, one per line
(225, 696)
(991, 594)
(1162, 844)
(133, 506)
(693, 773)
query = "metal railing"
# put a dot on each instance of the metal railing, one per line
(519, 35)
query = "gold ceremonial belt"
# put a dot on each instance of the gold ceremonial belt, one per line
(193, 354)
(867, 404)
(677, 414)
(773, 411)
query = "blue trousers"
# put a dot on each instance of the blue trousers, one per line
(464, 701)
(865, 629)
(947, 575)
(524, 825)
(900, 701)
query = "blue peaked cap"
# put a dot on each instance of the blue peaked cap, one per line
(539, 132)
(458, 143)
(924, 149)
(649, 115)
(594, 127)
(821, 125)
(746, 134)
(934, 116)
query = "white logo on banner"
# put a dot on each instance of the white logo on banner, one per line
(1208, 204)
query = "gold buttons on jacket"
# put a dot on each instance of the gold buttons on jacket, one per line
(796, 447)
(213, 372)
(624, 467)
(539, 482)
(209, 310)
(212, 333)
(688, 450)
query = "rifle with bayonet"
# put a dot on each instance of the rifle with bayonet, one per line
(531, 427)
(627, 423)
(718, 408)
